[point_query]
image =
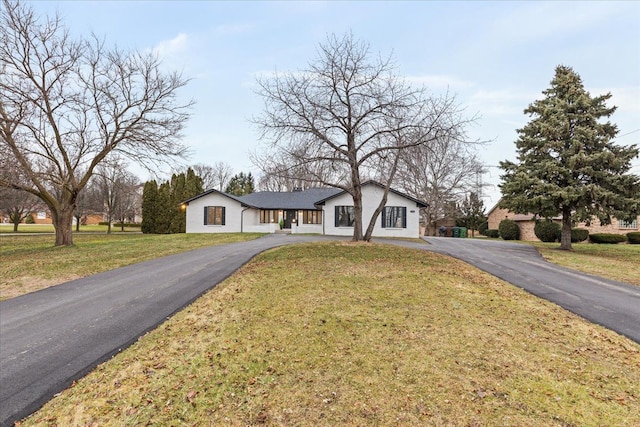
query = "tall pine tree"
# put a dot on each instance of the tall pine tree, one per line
(149, 206)
(568, 163)
(162, 212)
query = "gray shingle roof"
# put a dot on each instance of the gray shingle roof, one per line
(287, 200)
(306, 200)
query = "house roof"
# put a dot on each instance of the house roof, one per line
(287, 200)
(306, 199)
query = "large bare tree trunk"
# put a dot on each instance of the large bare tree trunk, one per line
(62, 222)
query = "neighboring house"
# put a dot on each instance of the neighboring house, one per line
(526, 223)
(318, 210)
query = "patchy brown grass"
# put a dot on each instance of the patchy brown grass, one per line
(617, 262)
(362, 334)
(30, 263)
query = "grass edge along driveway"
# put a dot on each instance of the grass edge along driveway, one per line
(362, 334)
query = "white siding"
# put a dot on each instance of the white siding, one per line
(371, 197)
(195, 214)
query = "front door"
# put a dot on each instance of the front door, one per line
(289, 218)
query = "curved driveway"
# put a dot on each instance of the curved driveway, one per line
(54, 336)
(612, 304)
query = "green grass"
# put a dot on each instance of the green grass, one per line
(30, 263)
(348, 334)
(618, 262)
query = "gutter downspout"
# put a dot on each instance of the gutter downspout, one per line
(242, 219)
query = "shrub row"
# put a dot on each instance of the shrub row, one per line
(607, 238)
(634, 237)
(492, 232)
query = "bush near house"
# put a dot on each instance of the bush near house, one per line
(492, 232)
(483, 227)
(634, 237)
(509, 230)
(578, 235)
(547, 230)
(607, 238)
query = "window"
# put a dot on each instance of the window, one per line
(312, 217)
(41, 215)
(268, 216)
(394, 217)
(628, 224)
(345, 216)
(214, 215)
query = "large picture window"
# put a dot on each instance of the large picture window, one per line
(394, 217)
(345, 216)
(268, 216)
(312, 217)
(214, 215)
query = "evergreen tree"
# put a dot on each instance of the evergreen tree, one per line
(164, 211)
(149, 206)
(472, 213)
(241, 185)
(568, 163)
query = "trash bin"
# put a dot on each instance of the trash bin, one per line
(456, 231)
(463, 232)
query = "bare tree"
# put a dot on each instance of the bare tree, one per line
(283, 170)
(65, 104)
(344, 113)
(117, 189)
(440, 173)
(216, 176)
(88, 202)
(16, 205)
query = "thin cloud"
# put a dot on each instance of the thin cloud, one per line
(173, 47)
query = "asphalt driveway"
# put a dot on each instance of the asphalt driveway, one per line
(54, 336)
(612, 304)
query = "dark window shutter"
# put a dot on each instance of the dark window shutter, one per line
(205, 215)
(223, 215)
(384, 217)
(404, 217)
(337, 217)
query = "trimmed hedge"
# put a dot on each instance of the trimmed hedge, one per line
(579, 235)
(509, 230)
(634, 237)
(492, 232)
(546, 230)
(607, 238)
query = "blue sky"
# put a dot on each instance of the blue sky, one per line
(497, 57)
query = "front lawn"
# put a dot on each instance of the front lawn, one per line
(329, 334)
